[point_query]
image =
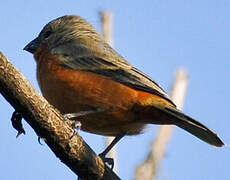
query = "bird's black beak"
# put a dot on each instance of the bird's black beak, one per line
(32, 46)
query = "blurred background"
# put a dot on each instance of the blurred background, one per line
(155, 36)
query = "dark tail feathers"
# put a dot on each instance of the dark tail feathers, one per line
(194, 127)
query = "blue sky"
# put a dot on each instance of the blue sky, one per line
(156, 37)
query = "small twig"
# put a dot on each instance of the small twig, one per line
(148, 169)
(107, 31)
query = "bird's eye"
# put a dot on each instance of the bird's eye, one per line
(47, 34)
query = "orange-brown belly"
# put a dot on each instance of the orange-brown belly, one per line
(72, 91)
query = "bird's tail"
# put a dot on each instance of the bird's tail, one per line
(176, 117)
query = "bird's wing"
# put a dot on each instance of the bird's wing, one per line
(113, 66)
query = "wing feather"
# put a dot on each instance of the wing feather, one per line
(113, 66)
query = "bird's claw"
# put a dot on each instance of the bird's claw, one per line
(108, 161)
(16, 120)
(39, 140)
(76, 125)
(71, 118)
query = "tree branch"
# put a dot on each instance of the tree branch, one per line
(148, 168)
(107, 31)
(50, 125)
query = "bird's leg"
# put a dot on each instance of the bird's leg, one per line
(16, 120)
(81, 113)
(77, 125)
(103, 154)
(71, 117)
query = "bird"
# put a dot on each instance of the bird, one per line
(87, 80)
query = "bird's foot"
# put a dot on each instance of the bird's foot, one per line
(108, 161)
(71, 118)
(16, 120)
(76, 125)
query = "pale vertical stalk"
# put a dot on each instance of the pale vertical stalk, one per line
(148, 169)
(107, 32)
(107, 26)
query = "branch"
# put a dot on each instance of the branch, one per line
(148, 169)
(107, 26)
(50, 125)
(107, 31)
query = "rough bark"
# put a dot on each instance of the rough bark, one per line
(50, 125)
